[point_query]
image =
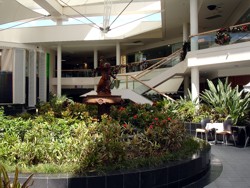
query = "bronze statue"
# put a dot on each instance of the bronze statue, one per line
(103, 87)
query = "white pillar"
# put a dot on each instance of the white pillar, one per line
(185, 32)
(194, 23)
(42, 76)
(32, 78)
(118, 53)
(95, 59)
(19, 64)
(7, 60)
(195, 83)
(59, 70)
(186, 85)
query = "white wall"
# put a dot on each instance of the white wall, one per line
(220, 55)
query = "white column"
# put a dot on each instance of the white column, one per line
(7, 60)
(95, 59)
(95, 66)
(19, 76)
(195, 83)
(118, 53)
(32, 78)
(194, 23)
(186, 85)
(59, 70)
(185, 32)
(42, 77)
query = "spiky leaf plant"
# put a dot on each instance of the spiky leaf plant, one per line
(229, 102)
(5, 180)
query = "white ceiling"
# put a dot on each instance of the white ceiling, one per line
(174, 14)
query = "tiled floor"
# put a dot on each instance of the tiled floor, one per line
(230, 168)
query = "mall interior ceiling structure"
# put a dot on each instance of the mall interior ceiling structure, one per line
(123, 28)
(173, 13)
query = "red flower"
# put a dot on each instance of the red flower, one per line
(151, 126)
(244, 28)
(135, 116)
(169, 119)
(124, 125)
(156, 119)
(121, 109)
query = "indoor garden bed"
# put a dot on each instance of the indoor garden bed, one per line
(65, 146)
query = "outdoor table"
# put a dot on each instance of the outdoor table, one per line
(216, 126)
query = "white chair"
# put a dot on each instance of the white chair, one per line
(202, 130)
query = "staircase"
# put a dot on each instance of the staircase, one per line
(169, 73)
(161, 74)
(166, 73)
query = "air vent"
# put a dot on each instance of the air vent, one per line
(213, 17)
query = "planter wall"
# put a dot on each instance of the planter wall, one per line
(175, 174)
(191, 127)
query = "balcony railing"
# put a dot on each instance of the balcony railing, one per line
(133, 80)
(131, 67)
(224, 36)
(76, 73)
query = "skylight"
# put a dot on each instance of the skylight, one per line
(146, 12)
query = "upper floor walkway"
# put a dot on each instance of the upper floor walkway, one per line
(216, 57)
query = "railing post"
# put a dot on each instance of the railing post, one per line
(126, 81)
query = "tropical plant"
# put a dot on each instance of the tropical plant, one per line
(187, 109)
(141, 115)
(5, 180)
(56, 105)
(70, 141)
(226, 101)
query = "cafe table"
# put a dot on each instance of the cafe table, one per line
(216, 127)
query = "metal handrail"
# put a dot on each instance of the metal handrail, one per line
(150, 69)
(158, 64)
(215, 30)
(166, 96)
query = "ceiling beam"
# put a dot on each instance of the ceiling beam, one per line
(51, 6)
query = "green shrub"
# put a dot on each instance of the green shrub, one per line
(71, 141)
(226, 101)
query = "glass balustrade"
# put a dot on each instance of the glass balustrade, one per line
(138, 81)
(209, 40)
(76, 73)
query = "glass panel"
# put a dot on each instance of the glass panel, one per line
(209, 40)
(138, 83)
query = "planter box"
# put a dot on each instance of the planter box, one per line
(174, 174)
